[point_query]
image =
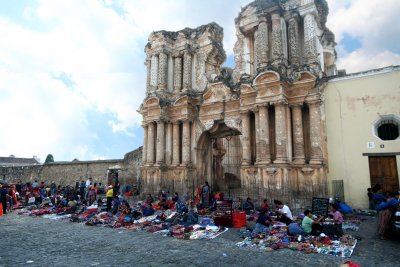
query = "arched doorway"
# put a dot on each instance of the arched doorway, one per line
(219, 157)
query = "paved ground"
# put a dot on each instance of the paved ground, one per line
(28, 241)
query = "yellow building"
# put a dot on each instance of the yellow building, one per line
(363, 119)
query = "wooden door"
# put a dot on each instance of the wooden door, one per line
(383, 171)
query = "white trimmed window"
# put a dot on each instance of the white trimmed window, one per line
(387, 127)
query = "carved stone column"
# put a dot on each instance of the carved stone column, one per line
(168, 144)
(257, 134)
(310, 38)
(298, 139)
(294, 41)
(281, 132)
(144, 149)
(175, 144)
(186, 143)
(315, 132)
(187, 71)
(150, 143)
(261, 45)
(162, 71)
(178, 74)
(148, 74)
(246, 138)
(154, 71)
(276, 46)
(160, 142)
(265, 155)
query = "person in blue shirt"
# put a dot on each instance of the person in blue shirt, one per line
(3, 198)
(248, 206)
(116, 204)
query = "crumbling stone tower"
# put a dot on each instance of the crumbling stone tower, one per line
(257, 130)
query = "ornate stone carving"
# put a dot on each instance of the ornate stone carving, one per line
(276, 38)
(187, 71)
(154, 71)
(261, 45)
(178, 74)
(148, 75)
(310, 38)
(293, 33)
(162, 71)
(216, 93)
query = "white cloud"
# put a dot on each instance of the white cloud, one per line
(375, 24)
(62, 60)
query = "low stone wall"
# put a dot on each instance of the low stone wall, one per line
(67, 173)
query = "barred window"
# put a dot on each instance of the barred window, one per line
(387, 128)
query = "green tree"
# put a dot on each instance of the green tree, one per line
(49, 159)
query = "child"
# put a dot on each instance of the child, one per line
(338, 219)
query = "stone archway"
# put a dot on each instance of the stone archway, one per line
(219, 157)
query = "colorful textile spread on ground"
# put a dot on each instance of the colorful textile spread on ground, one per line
(164, 223)
(278, 238)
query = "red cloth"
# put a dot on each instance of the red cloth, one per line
(352, 264)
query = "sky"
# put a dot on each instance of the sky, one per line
(72, 72)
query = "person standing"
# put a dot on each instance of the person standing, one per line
(205, 195)
(82, 189)
(109, 196)
(87, 187)
(35, 184)
(3, 198)
(248, 207)
(371, 199)
(92, 194)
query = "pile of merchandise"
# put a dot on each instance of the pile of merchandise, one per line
(278, 238)
(164, 223)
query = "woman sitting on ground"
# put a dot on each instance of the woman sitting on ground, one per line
(192, 216)
(310, 225)
(125, 208)
(338, 220)
(263, 222)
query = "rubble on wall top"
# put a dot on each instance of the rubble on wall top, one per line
(191, 33)
(263, 6)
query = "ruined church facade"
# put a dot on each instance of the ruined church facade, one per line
(255, 131)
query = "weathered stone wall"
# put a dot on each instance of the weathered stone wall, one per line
(67, 173)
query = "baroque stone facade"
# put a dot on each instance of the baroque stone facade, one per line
(257, 130)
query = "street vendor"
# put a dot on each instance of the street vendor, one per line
(263, 222)
(116, 204)
(310, 225)
(192, 216)
(3, 198)
(149, 199)
(237, 205)
(109, 196)
(284, 213)
(337, 219)
(205, 195)
(248, 206)
(163, 200)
